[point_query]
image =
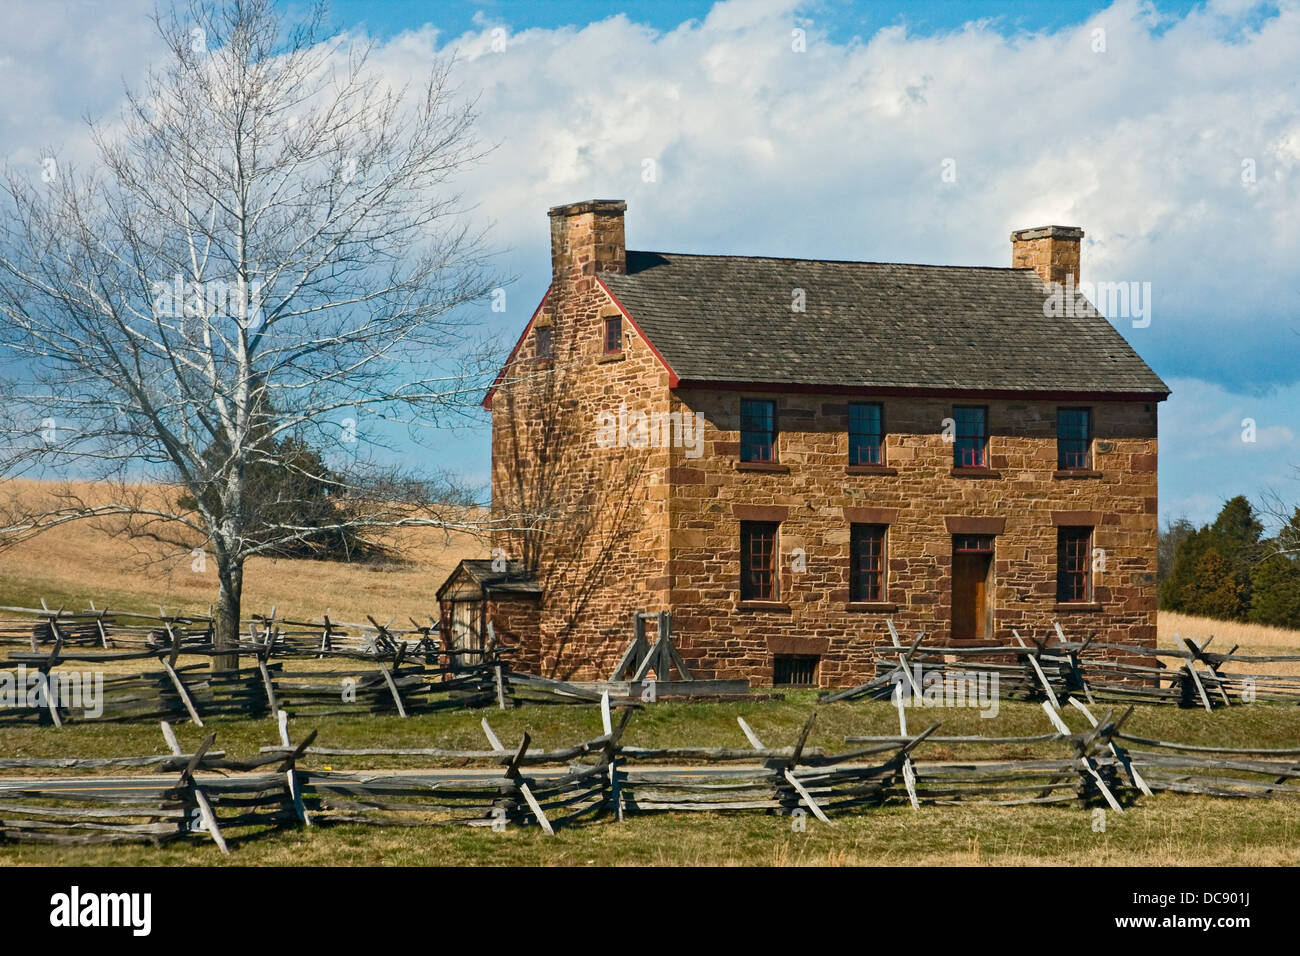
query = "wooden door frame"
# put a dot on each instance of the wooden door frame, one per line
(988, 554)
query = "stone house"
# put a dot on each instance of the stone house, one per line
(783, 453)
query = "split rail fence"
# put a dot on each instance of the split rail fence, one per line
(1037, 670)
(148, 668)
(603, 779)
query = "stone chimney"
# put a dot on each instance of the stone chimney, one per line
(1051, 251)
(586, 238)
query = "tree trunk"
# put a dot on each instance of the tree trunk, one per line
(226, 627)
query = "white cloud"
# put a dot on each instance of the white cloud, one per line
(836, 152)
(62, 60)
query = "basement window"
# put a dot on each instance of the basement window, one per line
(795, 670)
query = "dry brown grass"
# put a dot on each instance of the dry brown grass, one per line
(1255, 639)
(82, 561)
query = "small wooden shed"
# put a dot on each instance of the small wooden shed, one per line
(481, 590)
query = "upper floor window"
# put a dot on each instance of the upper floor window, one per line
(1073, 565)
(757, 430)
(613, 334)
(1073, 438)
(866, 434)
(867, 557)
(970, 444)
(544, 347)
(758, 577)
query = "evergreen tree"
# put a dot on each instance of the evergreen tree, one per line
(1275, 592)
(288, 485)
(1237, 534)
(1176, 587)
(1214, 590)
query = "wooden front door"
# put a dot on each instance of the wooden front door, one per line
(972, 585)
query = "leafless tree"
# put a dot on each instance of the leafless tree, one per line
(1285, 515)
(270, 246)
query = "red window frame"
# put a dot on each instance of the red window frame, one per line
(972, 543)
(757, 429)
(866, 436)
(971, 440)
(613, 334)
(868, 545)
(759, 580)
(1073, 450)
(1073, 565)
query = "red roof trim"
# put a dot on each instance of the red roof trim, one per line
(487, 399)
(672, 376)
(925, 392)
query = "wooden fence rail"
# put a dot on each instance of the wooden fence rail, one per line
(1190, 676)
(73, 666)
(603, 779)
(47, 811)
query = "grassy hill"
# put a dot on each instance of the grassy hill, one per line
(82, 561)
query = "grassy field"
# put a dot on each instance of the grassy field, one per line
(78, 563)
(1167, 830)
(1163, 831)
(777, 722)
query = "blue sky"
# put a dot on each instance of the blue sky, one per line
(1175, 145)
(844, 19)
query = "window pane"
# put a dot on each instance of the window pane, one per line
(1073, 438)
(969, 443)
(614, 334)
(758, 581)
(1073, 564)
(757, 430)
(867, 562)
(866, 434)
(544, 342)
(973, 543)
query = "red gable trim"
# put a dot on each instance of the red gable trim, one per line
(672, 376)
(927, 392)
(487, 399)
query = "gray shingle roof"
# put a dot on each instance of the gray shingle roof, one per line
(515, 579)
(889, 325)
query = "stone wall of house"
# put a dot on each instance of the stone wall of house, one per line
(815, 497)
(516, 622)
(598, 505)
